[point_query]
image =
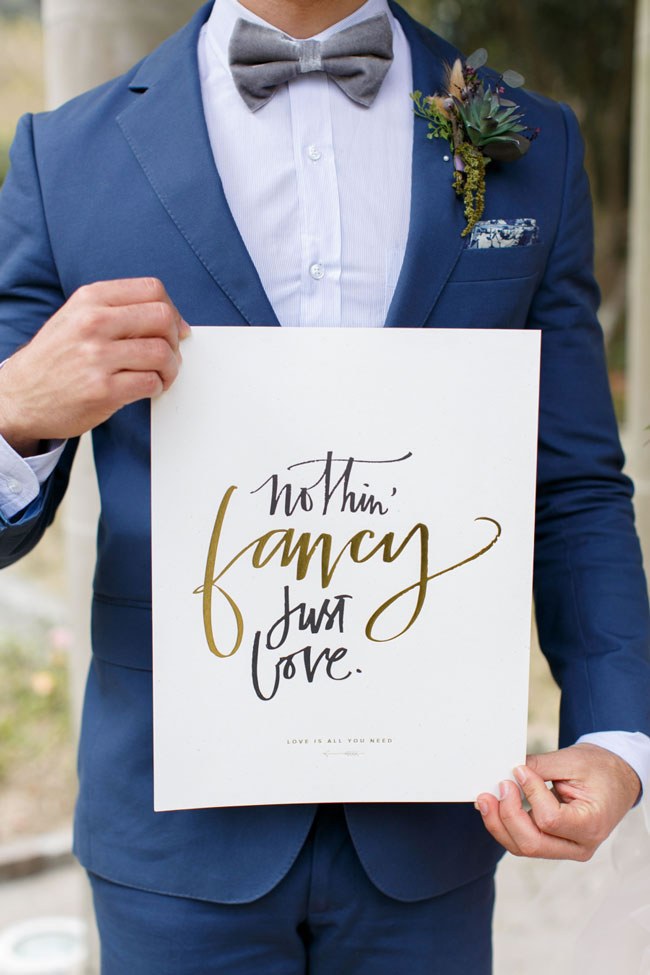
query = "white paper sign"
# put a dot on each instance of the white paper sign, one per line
(342, 565)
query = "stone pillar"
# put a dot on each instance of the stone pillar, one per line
(86, 43)
(89, 41)
(638, 341)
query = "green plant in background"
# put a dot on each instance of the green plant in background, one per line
(21, 69)
(19, 8)
(34, 703)
(4, 161)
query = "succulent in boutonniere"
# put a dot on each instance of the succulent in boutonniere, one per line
(480, 125)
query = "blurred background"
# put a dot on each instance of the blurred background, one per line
(596, 57)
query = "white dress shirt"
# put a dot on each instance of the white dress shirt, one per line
(320, 189)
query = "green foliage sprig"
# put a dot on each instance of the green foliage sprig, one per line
(479, 124)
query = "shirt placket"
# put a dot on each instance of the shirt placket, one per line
(318, 201)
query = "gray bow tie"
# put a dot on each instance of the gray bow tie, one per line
(357, 59)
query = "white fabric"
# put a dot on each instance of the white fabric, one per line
(21, 479)
(320, 189)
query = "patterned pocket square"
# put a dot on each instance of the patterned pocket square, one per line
(504, 233)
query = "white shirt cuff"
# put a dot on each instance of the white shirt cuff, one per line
(632, 747)
(21, 477)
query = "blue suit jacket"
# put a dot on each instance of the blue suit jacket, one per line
(120, 183)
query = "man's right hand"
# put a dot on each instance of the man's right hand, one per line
(112, 343)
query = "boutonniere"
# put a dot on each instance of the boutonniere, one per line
(479, 124)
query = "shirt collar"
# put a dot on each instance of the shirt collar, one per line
(226, 13)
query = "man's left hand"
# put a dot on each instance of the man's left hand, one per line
(592, 790)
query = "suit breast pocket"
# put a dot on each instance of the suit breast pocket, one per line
(490, 288)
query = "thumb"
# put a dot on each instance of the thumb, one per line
(551, 766)
(550, 815)
(545, 808)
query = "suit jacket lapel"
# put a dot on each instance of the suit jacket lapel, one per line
(165, 128)
(434, 241)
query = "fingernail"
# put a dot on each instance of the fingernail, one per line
(483, 808)
(503, 789)
(186, 331)
(521, 774)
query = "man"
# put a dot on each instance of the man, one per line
(116, 228)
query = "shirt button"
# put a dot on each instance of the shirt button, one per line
(317, 272)
(314, 153)
(13, 486)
